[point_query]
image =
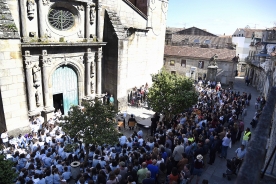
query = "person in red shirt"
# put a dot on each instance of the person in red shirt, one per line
(174, 176)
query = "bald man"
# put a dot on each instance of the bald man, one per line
(142, 173)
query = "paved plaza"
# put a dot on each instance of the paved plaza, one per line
(213, 173)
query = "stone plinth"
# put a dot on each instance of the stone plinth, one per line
(211, 73)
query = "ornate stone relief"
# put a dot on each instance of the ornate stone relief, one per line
(37, 98)
(46, 2)
(79, 33)
(46, 62)
(44, 52)
(28, 63)
(36, 75)
(80, 7)
(48, 34)
(27, 53)
(30, 8)
(92, 13)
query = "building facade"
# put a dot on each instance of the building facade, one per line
(55, 54)
(262, 74)
(242, 39)
(188, 51)
(193, 62)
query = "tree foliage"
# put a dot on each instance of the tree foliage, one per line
(171, 94)
(7, 174)
(94, 124)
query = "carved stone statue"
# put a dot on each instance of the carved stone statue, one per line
(37, 97)
(36, 74)
(92, 77)
(92, 13)
(212, 61)
(30, 8)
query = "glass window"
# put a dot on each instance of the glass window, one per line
(61, 18)
(201, 64)
(172, 63)
(173, 72)
(183, 63)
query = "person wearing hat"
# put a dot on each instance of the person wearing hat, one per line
(198, 167)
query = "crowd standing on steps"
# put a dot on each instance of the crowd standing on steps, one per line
(177, 151)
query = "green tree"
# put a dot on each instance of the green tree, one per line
(171, 94)
(7, 174)
(94, 124)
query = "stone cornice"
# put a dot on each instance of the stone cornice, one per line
(34, 45)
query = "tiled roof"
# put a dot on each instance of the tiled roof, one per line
(196, 52)
(213, 40)
(174, 29)
(195, 31)
(248, 32)
(8, 28)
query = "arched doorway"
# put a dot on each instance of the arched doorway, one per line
(65, 88)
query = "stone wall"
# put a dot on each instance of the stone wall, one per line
(225, 72)
(139, 54)
(12, 81)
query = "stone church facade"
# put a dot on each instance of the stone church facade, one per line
(55, 54)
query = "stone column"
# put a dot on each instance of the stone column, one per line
(29, 81)
(46, 63)
(87, 21)
(99, 32)
(41, 20)
(23, 19)
(99, 71)
(89, 74)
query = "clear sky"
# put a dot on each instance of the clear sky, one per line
(221, 16)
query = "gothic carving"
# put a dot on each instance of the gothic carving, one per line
(46, 2)
(48, 34)
(30, 8)
(80, 34)
(92, 13)
(80, 7)
(27, 53)
(46, 62)
(44, 52)
(36, 75)
(99, 54)
(28, 63)
(37, 98)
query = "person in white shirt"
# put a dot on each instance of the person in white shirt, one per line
(140, 133)
(123, 140)
(5, 138)
(240, 152)
(21, 141)
(141, 140)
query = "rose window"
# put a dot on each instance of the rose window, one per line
(61, 18)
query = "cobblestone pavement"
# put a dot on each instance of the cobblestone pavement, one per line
(213, 173)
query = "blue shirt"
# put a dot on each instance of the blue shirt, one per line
(153, 169)
(49, 179)
(66, 175)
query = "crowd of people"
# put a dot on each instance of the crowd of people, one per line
(175, 153)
